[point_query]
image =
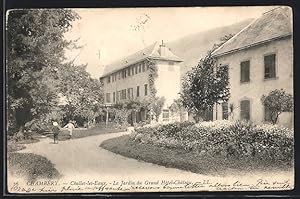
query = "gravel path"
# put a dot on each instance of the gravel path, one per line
(83, 159)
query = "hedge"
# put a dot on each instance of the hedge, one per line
(242, 140)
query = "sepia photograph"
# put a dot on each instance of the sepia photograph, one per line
(149, 99)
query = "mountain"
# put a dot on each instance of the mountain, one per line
(195, 46)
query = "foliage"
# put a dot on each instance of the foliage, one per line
(123, 109)
(31, 166)
(176, 106)
(154, 105)
(152, 76)
(223, 139)
(83, 94)
(38, 74)
(278, 101)
(121, 115)
(35, 49)
(206, 84)
(202, 87)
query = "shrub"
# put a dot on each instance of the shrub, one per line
(38, 126)
(31, 166)
(225, 139)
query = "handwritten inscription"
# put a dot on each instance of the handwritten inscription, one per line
(56, 186)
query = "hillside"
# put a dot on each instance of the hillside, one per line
(193, 47)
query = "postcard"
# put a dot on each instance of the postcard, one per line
(160, 99)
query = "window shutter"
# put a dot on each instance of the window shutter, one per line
(245, 71)
(245, 110)
(270, 66)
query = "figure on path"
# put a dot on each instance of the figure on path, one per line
(55, 131)
(70, 126)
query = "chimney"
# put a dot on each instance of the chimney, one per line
(162, 49)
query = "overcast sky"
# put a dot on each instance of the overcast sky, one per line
(116, 32)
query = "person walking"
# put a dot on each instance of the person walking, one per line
(55, 131)
(70, 126)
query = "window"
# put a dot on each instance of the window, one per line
(132, 70)
(136, 69)
(137, 91)
(143, 67)
(140, 68)
(268, 114)
(245, 71)
(270, 70)
(119, 75)
(108, 79)
(130, 93)
(107, 97)
(129, 71)
(224, 111)
(165, 115)
(146, 89)
(118, 95)
(114, 97)
(125, 73)
(123, 94)
(245, 109)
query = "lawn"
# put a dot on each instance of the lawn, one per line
(181, 159)
(31, 166)
(81, 133)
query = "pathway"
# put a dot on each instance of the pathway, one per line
(83, 159)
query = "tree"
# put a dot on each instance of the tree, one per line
(38, 74)
(277, 102)
(35, 50)
(206, 84)
(83, 95)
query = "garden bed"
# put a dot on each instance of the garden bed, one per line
(209, 148)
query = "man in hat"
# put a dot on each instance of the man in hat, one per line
(55, 131)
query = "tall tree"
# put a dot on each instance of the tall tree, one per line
(206, 84)
(83, 95)
(35, 51)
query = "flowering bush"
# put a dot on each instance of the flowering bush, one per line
(223, 138)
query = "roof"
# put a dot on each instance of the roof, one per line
(274, 24)
(150, 52)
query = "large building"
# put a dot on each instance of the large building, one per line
(129, 78)
(260, 59)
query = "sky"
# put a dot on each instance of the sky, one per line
(108, 34)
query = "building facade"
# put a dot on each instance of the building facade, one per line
(129, 79)
(260, 60)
